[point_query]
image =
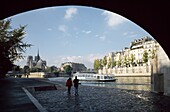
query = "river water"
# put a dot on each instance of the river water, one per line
(130, 83)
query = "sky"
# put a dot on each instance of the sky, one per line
(75, 34)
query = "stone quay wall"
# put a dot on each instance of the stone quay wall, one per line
(162, 67)
(128, 71)
(37, 75)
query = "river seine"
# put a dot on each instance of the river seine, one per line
(130, 83)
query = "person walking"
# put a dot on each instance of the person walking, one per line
(69, 84)
(76, 84)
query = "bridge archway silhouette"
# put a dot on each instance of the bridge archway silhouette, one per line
(152, 16)
(148, 15)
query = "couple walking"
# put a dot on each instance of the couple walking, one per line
(76, 84)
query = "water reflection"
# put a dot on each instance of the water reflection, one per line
(131, 83)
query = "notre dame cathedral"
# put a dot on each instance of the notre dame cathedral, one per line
(37, 62)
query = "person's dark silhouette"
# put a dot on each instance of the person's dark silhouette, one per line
(69, 84)
(76, 84)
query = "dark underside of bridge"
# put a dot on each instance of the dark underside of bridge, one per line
(152, 15)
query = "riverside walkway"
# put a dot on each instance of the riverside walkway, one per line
(90, 99)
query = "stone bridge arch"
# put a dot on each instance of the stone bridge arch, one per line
(152, 16)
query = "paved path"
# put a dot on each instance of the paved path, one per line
(12, 96)
(99, 99)
(90, 99)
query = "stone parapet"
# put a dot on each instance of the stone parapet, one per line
(139, 70)
(37, 75)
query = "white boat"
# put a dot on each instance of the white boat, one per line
(91, 76)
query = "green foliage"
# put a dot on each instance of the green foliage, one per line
(153, 54)
(110, 63)
(26, 70)
(125, 61)
(114, 63)
(97, 64)
(131, 59)
(145, 57)
(68, 69)
(34, 69)
(53, 69)
(16, 69)
(47, 70)
(104, 61)
(119, 63)
(101, 63)
(12, 46)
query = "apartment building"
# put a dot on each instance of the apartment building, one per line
(134, 53)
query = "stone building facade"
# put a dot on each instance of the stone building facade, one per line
(77, 67)
(132, 56)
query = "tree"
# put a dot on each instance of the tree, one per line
(12, 46)
(26, 70)
(36, 69)
(153, 54)
(68, 69)
(104, 61)
(119, 63)
(110, 63)
(16, 69)
(125, 61)
(53, 69)
(145, 57)
(114, 63)
(101, 63)
(97, 64)
(132, 59)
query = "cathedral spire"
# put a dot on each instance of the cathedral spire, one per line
(38, 56)
(38, 53)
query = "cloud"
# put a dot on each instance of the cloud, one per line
(70, 12)
(126, 33)
(49, 29)
(130, 34)
(102, 38)
(63, 28)
(96, 35)
(86, 32)
(113, 19)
